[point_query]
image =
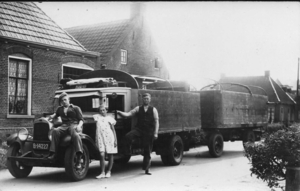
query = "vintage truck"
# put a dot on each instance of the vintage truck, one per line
(187, 119)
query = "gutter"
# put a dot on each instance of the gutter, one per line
(60, 49)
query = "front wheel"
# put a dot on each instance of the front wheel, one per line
(215, 145)
(16, 168)
(74, 173)
(174, 151)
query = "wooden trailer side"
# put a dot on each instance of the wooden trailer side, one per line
(227, 109)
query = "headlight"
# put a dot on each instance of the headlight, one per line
(50, 135)
(51, 126)
(23, 134)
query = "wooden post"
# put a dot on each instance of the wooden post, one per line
(297, 95)
(292, 182)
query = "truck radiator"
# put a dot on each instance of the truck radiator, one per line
(40, 132)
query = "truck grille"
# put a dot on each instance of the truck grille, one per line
(40, 132)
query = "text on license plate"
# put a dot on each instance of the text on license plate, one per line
(41, 146)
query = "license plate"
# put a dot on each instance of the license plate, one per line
(41, 146)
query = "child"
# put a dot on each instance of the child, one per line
(106, 140)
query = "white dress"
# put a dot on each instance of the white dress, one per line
(104, 135)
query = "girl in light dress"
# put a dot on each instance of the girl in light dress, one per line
(106, 140)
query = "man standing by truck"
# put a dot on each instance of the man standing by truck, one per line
(147, 128)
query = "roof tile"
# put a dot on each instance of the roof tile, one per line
(26, 21)
(99, 37)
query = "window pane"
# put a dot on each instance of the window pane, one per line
(22, 88)
(12, 68)
(11, 104)
(22, 70)
(123, 56)
(73, 73)
(21, 105)
(12, 86)
(11, 94)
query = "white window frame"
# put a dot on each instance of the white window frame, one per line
(70, 66)
(29, 90)
(124, 56)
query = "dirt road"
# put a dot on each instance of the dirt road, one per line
(197, 172)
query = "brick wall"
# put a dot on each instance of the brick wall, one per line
(141, 51)
(46, 70)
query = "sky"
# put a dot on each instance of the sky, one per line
(199, 41)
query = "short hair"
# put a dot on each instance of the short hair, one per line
(102, 106)
(61, 96)
(146, 94)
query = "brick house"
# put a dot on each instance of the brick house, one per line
(35, 53)
(125, 45)
(281, 106)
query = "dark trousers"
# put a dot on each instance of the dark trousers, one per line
(63, 130)
(147, 144)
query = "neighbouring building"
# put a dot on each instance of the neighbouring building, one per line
(125, 45)
(281, 106)
(35, 53)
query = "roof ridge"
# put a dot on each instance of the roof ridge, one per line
(270, 79)
(98, 24)
(284, 92)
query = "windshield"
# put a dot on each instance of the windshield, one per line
(92, 103)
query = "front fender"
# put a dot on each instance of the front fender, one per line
(25, 146)
(12, 139)
(90, 143)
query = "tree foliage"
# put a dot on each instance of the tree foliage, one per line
(277, 150)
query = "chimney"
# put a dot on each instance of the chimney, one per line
(137, 9)
(267, 74)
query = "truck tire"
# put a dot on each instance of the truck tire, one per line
(248, 136)
(124, 159)
(164, 159)
(70, 163)
(16, 168)
(174, 151)
(215, 145)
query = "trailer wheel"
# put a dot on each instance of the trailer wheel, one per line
(16, 168)
(174, 151)
(248, 136)
(74, 173)
(216, 145)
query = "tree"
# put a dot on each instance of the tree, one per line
(278, 150)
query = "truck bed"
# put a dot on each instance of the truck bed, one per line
(178, 111)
